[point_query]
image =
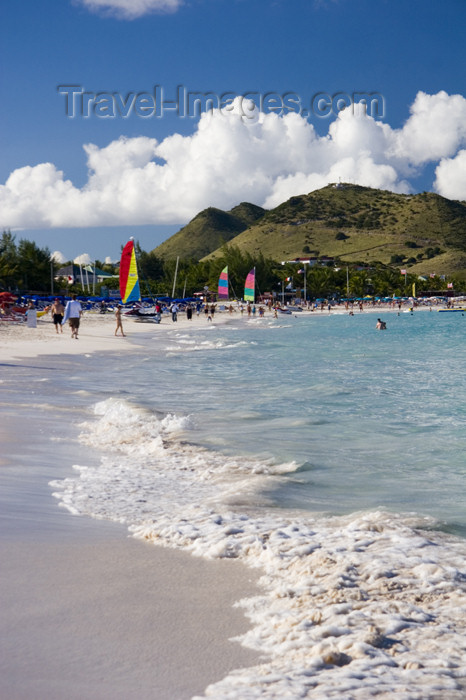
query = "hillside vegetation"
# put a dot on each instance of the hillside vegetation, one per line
(209, 230)
(425, 233)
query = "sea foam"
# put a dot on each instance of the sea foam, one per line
(356, 606)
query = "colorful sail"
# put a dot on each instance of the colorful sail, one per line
(223, 284)
(129, 281)
(249, 285)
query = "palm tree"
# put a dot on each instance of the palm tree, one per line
(358, 283)
(385, 282)
(320, 282)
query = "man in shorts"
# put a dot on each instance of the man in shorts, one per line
(57, 314)
(73, 313)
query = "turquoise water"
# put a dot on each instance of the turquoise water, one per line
(372, 419)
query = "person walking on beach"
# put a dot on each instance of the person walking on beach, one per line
(119, 325)
(174, 310)
(158, 312)
(73, 313)
(31, 315)
(58, 310)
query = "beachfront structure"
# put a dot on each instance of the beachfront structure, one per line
(83, 274)
(321, 260)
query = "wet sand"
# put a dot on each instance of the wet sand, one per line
(106, 617)
(88, 613)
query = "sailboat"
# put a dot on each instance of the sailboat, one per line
(250, 285)
(129, 285)
(129, 279)
(223, 294)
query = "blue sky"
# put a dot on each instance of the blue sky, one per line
(84, 184)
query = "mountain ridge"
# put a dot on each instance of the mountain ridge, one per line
(209, 230)
(351, 223)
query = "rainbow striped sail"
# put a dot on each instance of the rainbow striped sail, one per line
(129, 281)
(249, 285)
(223, 284)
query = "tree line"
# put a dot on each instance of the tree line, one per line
(25, 267)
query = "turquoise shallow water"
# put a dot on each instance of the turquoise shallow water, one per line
(371, 418)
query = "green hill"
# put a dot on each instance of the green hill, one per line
(209, 230)
(424, 232)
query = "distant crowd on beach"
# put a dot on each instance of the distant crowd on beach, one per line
(73, 310)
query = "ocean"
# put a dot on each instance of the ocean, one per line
(326, 454)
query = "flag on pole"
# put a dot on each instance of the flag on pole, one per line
(403, 272)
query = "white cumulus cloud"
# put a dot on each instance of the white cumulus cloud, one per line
(58, 257)
(84, 259)
(229, 158)
(435, 129)
(131, 9)
(451, 177)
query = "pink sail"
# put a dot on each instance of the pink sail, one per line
(249, 285)
(223, 284)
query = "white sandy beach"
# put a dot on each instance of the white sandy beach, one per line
(89, 613)
(96, 335)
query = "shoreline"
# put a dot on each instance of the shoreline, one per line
(97, 330)
(89, 611)
(96, 334)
